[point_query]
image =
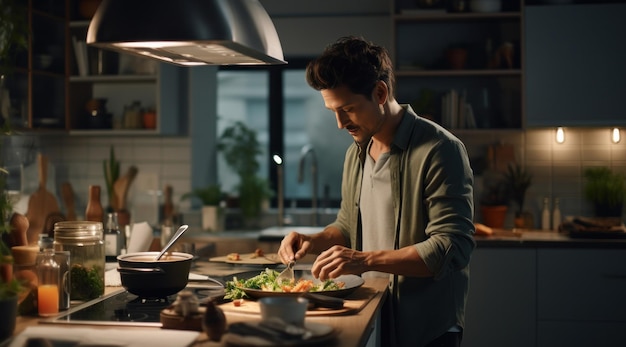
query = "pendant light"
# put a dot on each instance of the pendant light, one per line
(188, 33)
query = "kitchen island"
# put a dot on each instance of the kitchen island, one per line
(528, 287)
(351, 329)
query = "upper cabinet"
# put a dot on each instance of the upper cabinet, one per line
(60, 84)
(33, 90)
(460, 62)
(111, 92)
(575, 65)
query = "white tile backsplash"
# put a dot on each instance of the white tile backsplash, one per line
(160, 161)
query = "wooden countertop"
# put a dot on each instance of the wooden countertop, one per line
(548, 239)
(500, 238)
(353, 329)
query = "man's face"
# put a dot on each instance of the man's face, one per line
(361, 117)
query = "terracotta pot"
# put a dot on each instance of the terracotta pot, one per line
(456, 58)
(494, 216)
(149, 120)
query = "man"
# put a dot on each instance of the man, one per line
(406, 210)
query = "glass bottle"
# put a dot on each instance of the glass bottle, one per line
(545, 214)
(556, 215)
(94, 211)
(113, 238)
(48, 274)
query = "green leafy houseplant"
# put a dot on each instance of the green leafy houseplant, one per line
(13, 32)
(494, 199)
(606, 190)
(496, 190)
(240, 147)
(111, 168)
(518, 180)
(10, 287)
(208, 196)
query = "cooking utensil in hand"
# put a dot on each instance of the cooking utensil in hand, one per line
(174, 238)
(287, 274)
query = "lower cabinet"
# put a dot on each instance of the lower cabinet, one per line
(501, 308)
(581, 297)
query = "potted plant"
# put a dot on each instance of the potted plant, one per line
(519, 180)
(210, 197)
(240, 148)
(10, 287)
(606, 190)
(494, 199)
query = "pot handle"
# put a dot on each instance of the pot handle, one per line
(139, 270)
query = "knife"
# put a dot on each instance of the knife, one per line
(320, 300)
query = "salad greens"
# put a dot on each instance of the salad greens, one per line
(266, 281)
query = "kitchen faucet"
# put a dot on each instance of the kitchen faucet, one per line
(306, 150)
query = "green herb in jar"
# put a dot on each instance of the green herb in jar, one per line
(86, 284)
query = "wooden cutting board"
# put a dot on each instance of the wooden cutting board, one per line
(41, 203)
(68, 199)
(353, 303)
(250, 259)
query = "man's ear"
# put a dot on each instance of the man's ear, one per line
(381, 92)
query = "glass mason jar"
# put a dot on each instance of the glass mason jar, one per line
(84, 241)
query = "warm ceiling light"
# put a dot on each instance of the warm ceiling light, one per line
(615, 135)
(188, 33)
(560, 135)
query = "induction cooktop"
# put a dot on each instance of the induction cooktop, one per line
(123, 308)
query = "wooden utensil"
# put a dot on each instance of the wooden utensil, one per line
(68, 199)
(121, 186)
(41, 203)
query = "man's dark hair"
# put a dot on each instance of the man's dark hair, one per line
(354, 62)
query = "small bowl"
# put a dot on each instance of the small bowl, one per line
(290, 309)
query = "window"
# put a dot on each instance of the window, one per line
(298, 118)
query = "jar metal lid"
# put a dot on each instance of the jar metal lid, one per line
(77, 230)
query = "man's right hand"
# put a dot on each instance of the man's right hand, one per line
(293, 247)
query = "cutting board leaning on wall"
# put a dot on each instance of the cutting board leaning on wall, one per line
(41, 203)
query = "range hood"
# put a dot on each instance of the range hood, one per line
(189, 32)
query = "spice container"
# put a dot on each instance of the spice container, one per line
(84, 241)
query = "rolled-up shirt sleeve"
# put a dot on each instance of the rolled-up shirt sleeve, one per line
(448, 201)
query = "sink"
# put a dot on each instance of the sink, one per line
(277, 233)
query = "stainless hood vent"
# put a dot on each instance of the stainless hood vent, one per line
(189, 32)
